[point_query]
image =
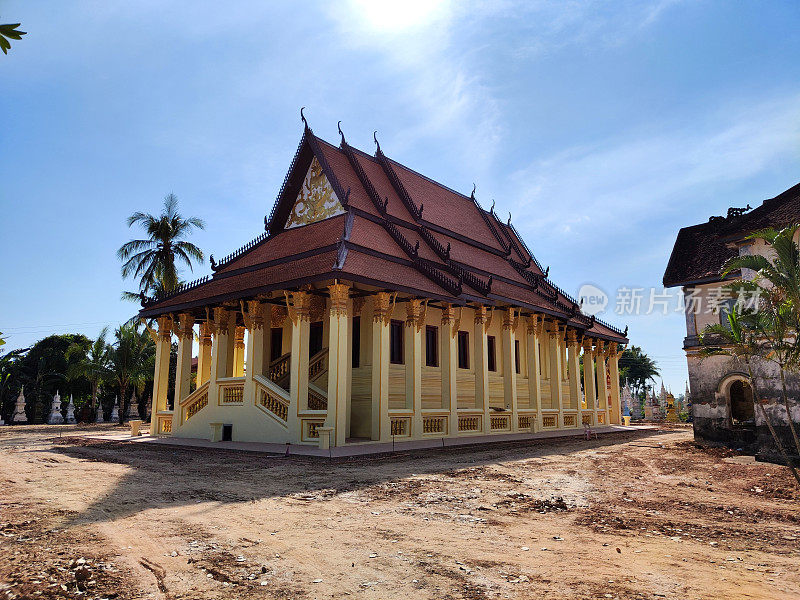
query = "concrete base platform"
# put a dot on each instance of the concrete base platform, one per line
(366, 448)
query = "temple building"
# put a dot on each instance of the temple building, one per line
(720, 391)
(378, 305)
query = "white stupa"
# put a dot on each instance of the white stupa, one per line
(70, 411)
(19, 409)
(55, 417)
(133, 407)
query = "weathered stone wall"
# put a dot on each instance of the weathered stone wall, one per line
(710, 379)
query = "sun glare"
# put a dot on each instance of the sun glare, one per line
(398, 15)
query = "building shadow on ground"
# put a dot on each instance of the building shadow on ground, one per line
(163, 476)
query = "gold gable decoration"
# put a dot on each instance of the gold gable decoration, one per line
(316, 201)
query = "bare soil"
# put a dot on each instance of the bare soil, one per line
(643, 515)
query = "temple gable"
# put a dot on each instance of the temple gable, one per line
(316, 200)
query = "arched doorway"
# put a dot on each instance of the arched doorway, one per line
(740, 395)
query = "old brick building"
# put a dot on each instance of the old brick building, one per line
(721, 392)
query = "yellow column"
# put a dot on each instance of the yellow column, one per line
(381, 317)
(266, 339)
(589, 389)
(573, 349)
(556, 392)
(299, 313)
(204, 354)
(238, 353)
(415, 319)
(183, 370)
(448, 359)
(221, 345)
(254, 321)
(509, 366)
(481, 366)
(338, 344)
(534, 377)
(613, 367)
(161, 374)
(602, 382)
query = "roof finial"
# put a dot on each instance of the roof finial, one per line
(339, 127)
(303, 118)
(472, 195)
(491, 210)
(375, 137)
(509, 219)
(547, 271)
(625, 333)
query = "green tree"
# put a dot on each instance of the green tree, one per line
(132, 361)
(777, 281)
(43, 371)
(154, 261)
(93, 365)
(740, 338)
(9, 31)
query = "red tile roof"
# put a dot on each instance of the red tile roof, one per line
(427, 240)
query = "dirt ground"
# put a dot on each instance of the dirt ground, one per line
(634, 515)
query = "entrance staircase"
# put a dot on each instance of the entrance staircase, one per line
(317, 375)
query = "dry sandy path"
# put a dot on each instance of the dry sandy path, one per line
(641, 515)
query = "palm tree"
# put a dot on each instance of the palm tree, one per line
(9, 31)
(741, 339)
(93, 365)
(153, 260)
(777, 279)
(132, 361)
(636, 369)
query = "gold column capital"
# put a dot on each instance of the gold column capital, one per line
(221, 320)
(185, 325)
(588, 344)
(165, 325)
(532, 324)
(415, 313)
(255, 315)
(339, 293)
(554, 328)
(572, 337)
(206, 330)
(239, 337)
(300, 307)
(382, 307)
(448, 314)
(510, 318)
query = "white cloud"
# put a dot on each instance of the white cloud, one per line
(444, 95)
(622, 183)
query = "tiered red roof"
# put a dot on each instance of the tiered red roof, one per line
(400, 231)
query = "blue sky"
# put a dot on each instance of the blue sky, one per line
(602, 127)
